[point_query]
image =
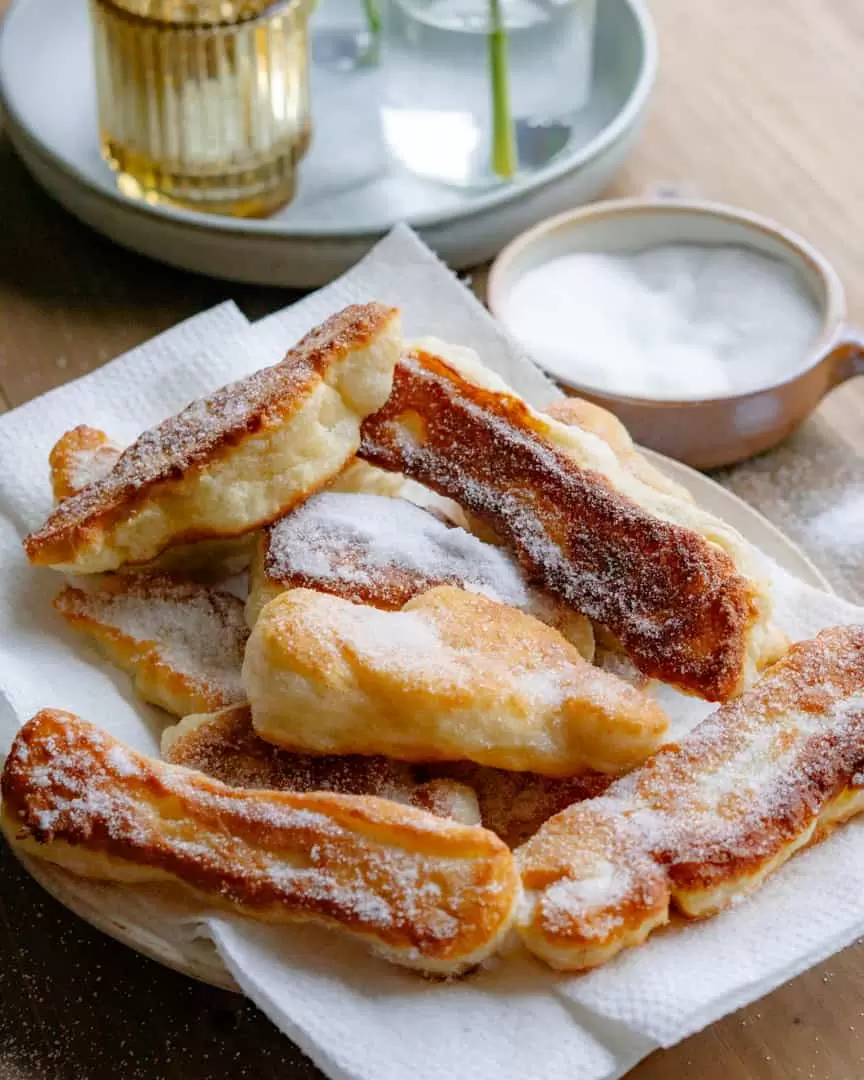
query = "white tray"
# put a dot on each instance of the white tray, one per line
(349, 193)
(145, 918)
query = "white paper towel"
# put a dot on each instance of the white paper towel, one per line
(355, 1016)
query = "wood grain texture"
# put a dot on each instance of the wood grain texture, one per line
(757, 104)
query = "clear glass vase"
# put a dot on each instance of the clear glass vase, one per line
(203, 103)
(345, 34)
(477, 92)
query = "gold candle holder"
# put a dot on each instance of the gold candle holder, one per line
(204, 105)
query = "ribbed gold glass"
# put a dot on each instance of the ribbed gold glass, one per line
(204, 105)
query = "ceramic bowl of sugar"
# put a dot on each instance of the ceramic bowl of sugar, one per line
(710, 331)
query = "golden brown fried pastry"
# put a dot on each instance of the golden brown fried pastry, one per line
(182, 643)
(451, 676)
(422, 891)
(577, 412)
(702, 824)
(515, 804)
(590, 417)
(84, 455)
(79, 458)
(668, 579)
(358, 478)
(205, 561)
(363, 479)
(237, 460)
(225, 747)
(383, 552)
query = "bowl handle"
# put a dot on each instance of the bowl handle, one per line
(845, 359)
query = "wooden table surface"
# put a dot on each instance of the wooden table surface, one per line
(758, 103)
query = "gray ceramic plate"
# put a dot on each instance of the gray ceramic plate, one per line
(349, 194)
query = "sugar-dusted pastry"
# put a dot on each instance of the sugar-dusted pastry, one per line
(384, 551)
(422, 891)
(515, 804)
(225, 747)
(182, 643)
(577, 412)
(360, 478)
(702, 824)
(451, 676)
(512, 804)
(673, 583)
(237, 460)
(84, 455)
(79, 458)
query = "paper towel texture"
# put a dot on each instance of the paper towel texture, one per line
(355, 1016)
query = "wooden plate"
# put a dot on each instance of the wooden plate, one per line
(162, 923)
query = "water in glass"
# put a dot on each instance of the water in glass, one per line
(437, 100)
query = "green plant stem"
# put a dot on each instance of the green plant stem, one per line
(373, 16)
(373, 23)
(503, 133)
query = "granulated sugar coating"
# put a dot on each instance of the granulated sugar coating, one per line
(705, 820)
(515, 804)
(424, 891)
(81, 457)
(225, 747)
(558, 497)
(384, 551)
(237, 440)
(450, 677)
(184, 634)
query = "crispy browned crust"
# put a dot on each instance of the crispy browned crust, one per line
(79, 457)
(181, 642)
(677, 603)
(426, 892)
(84, 455)
(393, 588)
(351, 566)
(226, 748)
(578, 412)
(204, 432)
(514, 805)
(703, 823)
